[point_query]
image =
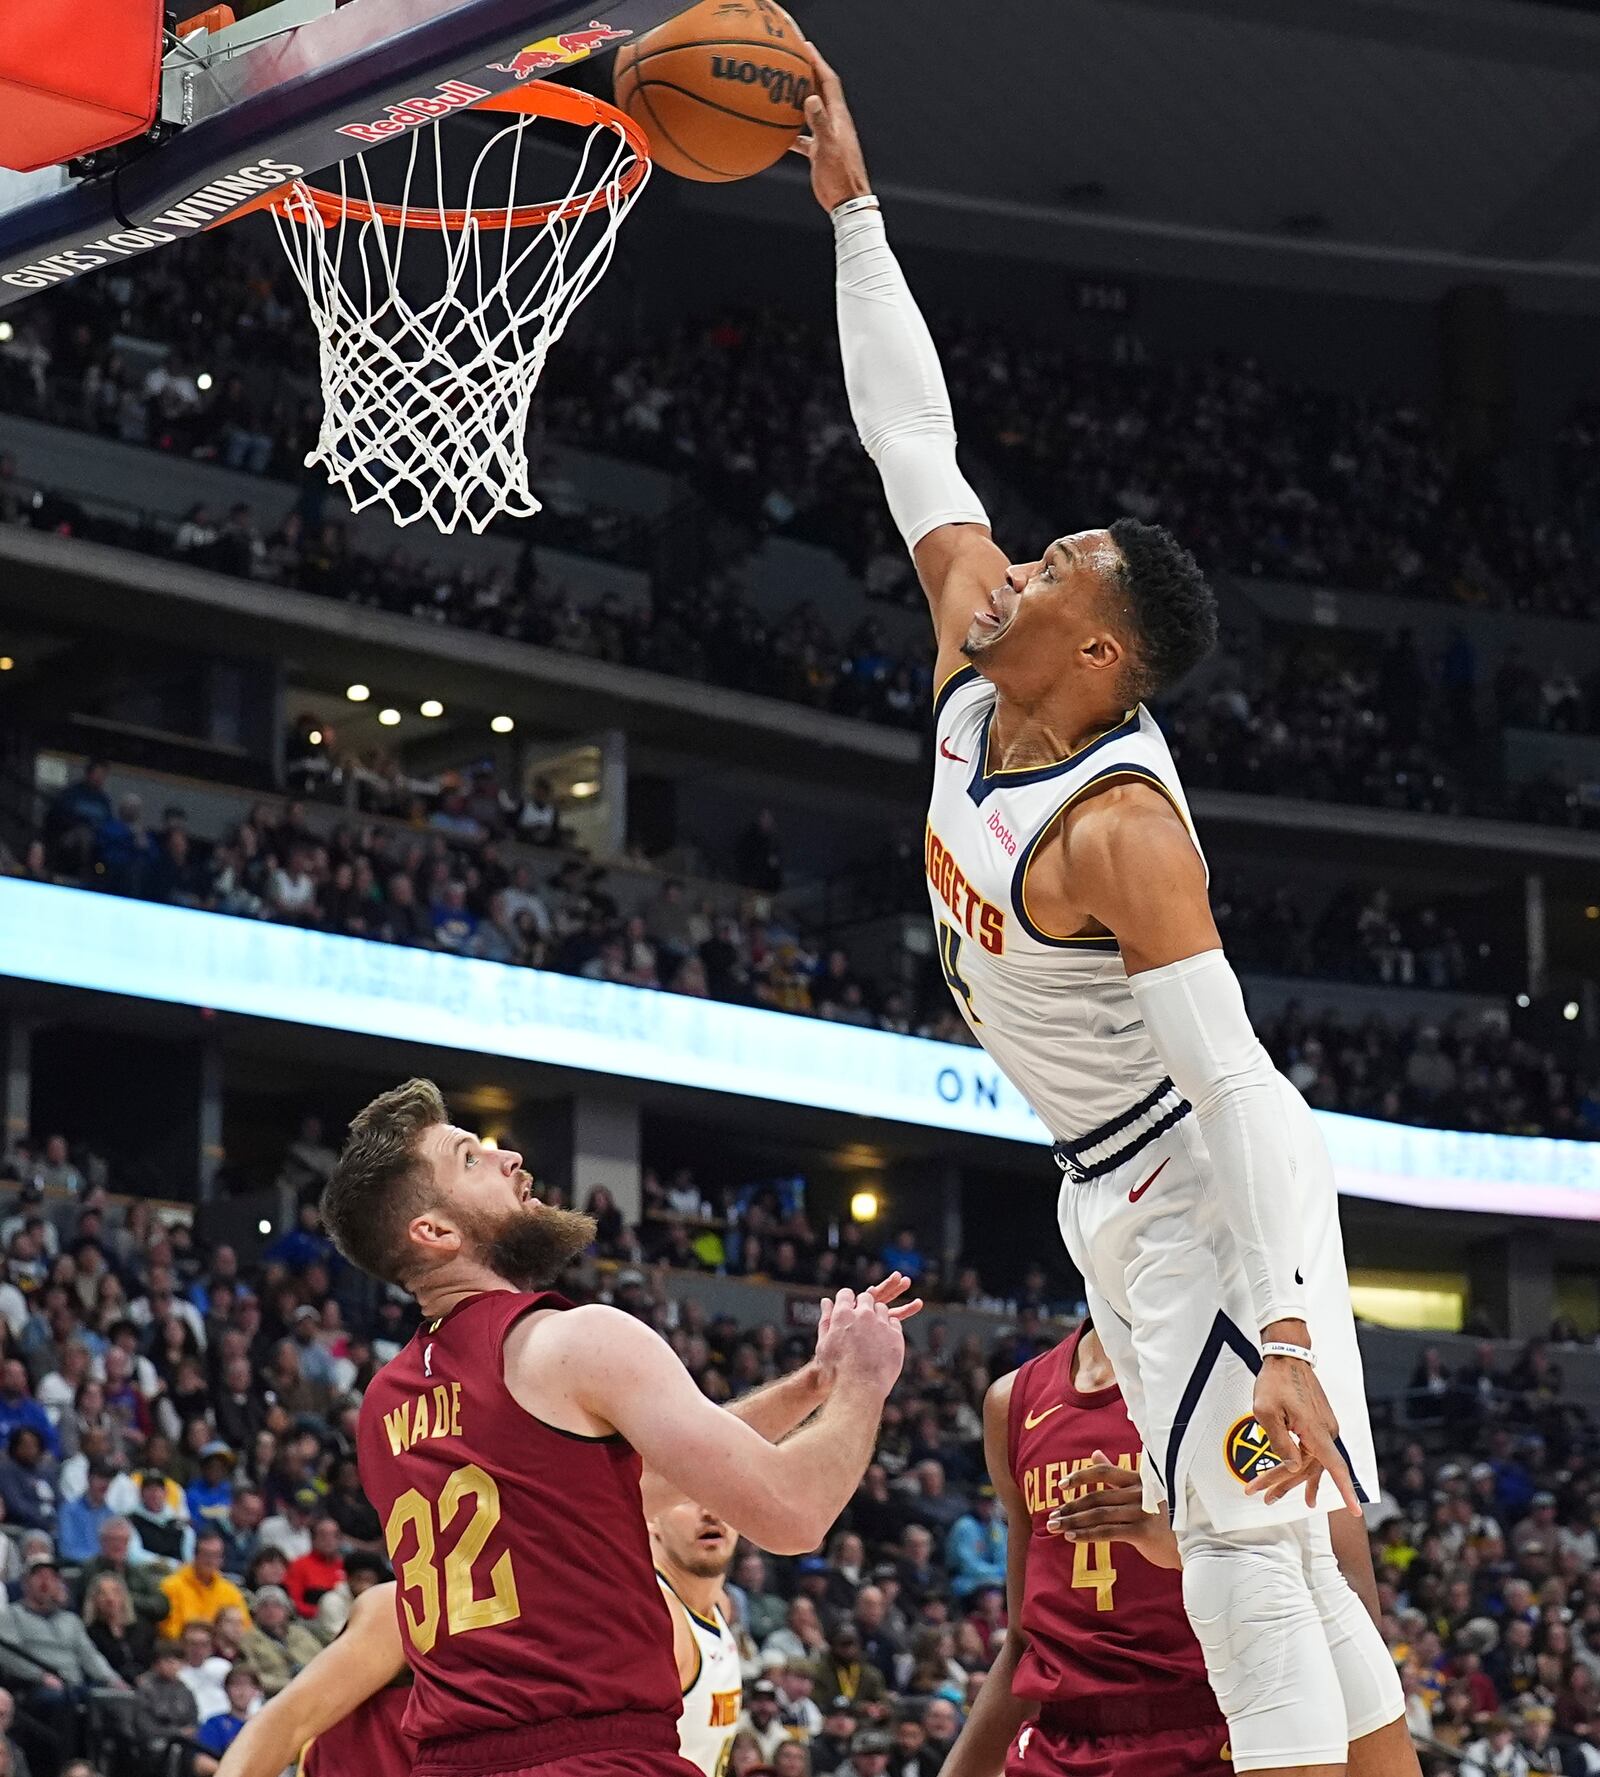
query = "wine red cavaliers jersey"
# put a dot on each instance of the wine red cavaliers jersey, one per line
(528, 1604)
(370, 1740)
(1109, 1646)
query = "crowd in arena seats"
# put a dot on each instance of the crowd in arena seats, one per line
(1467, 1071)
(184, 1525)
(452, 883)
(1262, 477)
(1401, 731)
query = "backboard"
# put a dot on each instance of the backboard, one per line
(298, 87)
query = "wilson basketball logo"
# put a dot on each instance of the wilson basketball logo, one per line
(781, 85)
(1246, 1450)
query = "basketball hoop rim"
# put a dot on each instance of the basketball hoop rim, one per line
(538, 98)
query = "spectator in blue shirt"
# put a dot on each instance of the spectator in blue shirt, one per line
(903, 1254)
(975, 1551)
(211, 1494)
(19, 1408)
(79, 1521)
(218, 1732)
(74, 817)
(124, 849)
(27, 1482)
(304, 1244)
(454, 923)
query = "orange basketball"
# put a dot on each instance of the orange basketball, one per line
(720, 90)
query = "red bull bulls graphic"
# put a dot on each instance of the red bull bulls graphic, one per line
(558, 52)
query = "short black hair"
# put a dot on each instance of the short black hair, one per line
(1169, 602)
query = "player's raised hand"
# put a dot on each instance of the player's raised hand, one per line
(887, 1292)
(860, 1338)
(838, 167)
(1299, 1425)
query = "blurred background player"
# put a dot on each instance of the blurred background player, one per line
(693, 1549)
(1099, 1674)
(1071, 904)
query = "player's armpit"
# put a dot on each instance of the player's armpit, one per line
(1134, 867)
(366, 1657)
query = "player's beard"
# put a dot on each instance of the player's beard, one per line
(693, 1559)
(532, 1245)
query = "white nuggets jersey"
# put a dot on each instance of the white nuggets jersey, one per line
(712, 1703)
(1054, 1011)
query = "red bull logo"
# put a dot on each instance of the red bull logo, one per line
(559, 52)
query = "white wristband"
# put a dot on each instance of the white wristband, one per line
(852, 204)
(1277, 1348)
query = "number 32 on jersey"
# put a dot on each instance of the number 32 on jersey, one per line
(419, 1572)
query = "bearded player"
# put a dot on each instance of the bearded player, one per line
(1100, 1674)
(1075, 931)
(502, 1451)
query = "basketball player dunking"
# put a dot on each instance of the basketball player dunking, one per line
(1075, 931)
(502, 1451)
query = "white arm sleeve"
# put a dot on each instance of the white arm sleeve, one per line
(897, 392)
(1194, 1012)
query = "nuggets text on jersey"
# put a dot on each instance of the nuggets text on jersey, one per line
(977, 917)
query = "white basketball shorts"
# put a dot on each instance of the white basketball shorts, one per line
(1168, 1300)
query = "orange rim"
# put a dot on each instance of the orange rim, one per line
(539, 98)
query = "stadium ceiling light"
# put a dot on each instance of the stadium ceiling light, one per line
(489, 1142)
(430, 707)
(502, 724)
(315, 737)
(263, 1226)
(6, 663)
(203, 381)
(588, 787)
(1523, 1001)
(1591, 911)
(1570, 1011)
(864, 1206)
(357, 693)
(7, 331)
(389, 718)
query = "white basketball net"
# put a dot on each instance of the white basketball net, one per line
(426, 403)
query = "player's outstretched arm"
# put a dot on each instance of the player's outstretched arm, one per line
(337, 1682)
(1134, 866)
(998, 1715)
(595, 1370)
(896, 386)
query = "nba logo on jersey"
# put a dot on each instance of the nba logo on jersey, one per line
(1246, 1450)
(427, 1360)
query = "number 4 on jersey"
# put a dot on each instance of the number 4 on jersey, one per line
(950, 962)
